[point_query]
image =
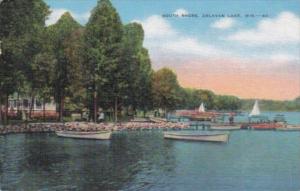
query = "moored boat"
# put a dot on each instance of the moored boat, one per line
(198, 115)
(225, 127)
(289, 128)
(260, 122)
(279, 118)
(205, 137)
(100, 135)
(265, 126)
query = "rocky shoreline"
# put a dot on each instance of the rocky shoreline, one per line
(85, 126)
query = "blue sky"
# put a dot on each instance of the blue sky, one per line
(262, 46)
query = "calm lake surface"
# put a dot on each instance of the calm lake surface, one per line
(252, 160)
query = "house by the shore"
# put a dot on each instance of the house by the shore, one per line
(23, 104)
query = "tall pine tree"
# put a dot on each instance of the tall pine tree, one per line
(61, 34)
(103, 36)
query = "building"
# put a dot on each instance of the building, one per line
(23, 105)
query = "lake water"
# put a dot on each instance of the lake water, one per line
(251, 160)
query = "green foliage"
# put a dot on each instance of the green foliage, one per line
(43, 71)
(76, 89)
(192, 98)
(144, 88)
(138, 65)
(102, 39)
(273, 105)
(21, 29)
(66, 41)
(165, 89)
(61, 35)
(104, 61)
(21, 33)
(230, 103)
(103, 49)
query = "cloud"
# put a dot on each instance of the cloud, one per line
(224, 23)
(54, 16)
(284, 58)
(57, 13)
(162, 39)
(156, 27)
(181, 12)
(284, 29)
(206, 65)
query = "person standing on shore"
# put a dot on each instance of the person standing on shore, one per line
(231, 119)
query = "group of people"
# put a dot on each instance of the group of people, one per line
(100, 115)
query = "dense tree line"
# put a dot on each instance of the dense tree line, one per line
(100, 65)
(273, 105)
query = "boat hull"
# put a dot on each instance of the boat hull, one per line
(205, 138)
(99, 135)
(225, 128)
(289, 129)
(266, 126)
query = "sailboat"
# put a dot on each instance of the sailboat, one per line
(255, 111)
(199, 114)
(258, 121)
(201, 108)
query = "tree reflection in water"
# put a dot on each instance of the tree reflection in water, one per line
(131, 160)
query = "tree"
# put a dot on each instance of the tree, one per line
(165, 89)
(103, 37)
(138, 65)
(76, 89)
(132, 41)
(61, 36)
(144, 88)
(21, 23)
(43, 72)
(227, 102)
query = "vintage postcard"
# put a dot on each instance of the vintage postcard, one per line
(156, 95)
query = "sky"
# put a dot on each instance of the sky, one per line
(250, 49)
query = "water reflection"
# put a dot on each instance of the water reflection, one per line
(42, 154)
(45, 162)
(256, 160)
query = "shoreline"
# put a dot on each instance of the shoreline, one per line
(121, 126)
(88, 126)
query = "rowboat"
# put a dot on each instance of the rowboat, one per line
(206, 137)
(100, 135)
(225, 127)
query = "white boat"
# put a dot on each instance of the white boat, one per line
(255, 110)
(157, 120)
(288, 129)
(225, 127)
(100, 135)
(206, 137)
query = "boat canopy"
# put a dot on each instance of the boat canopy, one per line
(258, 118)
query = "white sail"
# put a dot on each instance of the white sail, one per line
(201, 108)
(255, 110)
